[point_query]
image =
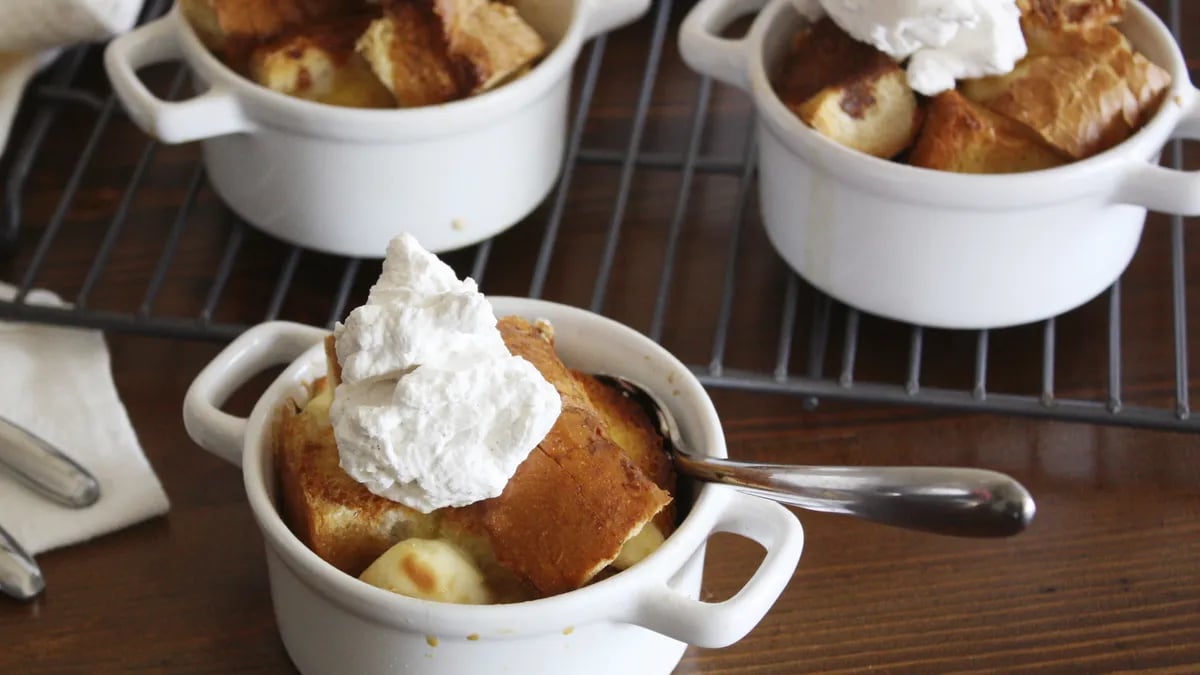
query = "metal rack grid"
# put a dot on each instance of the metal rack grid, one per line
(60, 88)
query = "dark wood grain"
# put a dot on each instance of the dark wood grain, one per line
(1107, 579)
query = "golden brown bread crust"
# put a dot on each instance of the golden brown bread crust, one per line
(1071, 102)
(823, 55)
(319, 63)
(434, 51)
(1082, 91)
(1098, 42)
(333, 368)
(849, 91)
(1147, 82)
(880, 117)
(570, 507)
(489, 41)
(408, 52)
(1072, 14)
(422, 52)
(576, 499)
(234, 27)
(334, 515)
(965, 137)
(562, 518)
(630, 428)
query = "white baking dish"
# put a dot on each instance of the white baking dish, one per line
(638, 621)
(345, 180)
(936, 248)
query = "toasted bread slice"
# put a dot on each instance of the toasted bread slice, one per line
(490, 39)
(428, 53)
(564, 516)
(329, 511)
(408, 53)
(575, 501)
(965, 137)
(1146, 81)
(878, 117)
(849, 91)
(1099, 42)
(630, 429)
(344, 523)
(1081, 91)
(238, 25)
(1072, 14)
(320, 64)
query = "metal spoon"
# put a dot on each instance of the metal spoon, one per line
(48, 472)
(44, 468)
(20, 577)
(943, 500)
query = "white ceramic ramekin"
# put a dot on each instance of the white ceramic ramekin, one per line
(345, 180)
(638, 621)
(937, 248)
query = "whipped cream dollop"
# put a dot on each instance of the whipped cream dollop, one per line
(433, 410)
(943, 40)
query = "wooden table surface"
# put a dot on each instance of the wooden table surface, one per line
(1106, 579)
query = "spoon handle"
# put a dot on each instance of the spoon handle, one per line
(954, 501)
(20, 577)
(44, 468)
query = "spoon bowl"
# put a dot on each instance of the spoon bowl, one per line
(956, 501)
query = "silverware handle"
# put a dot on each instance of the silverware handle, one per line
(954, 501)
(44, 468)
(19, 574)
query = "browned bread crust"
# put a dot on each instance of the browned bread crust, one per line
(350, 52)
(576, 499)
(966, 137)
(823, 55)
(630, 429)
(334, 515)
(489, 41)
(236, 26)
(434, 51)
(1082, 91)
(1072, 14)
(849, 91)
(319, 63)
(408, 52)
(333, 368)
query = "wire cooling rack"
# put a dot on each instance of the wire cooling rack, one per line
(681, 178)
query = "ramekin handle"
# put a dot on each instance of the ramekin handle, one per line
(1162, 189)
(709, 54)
(259, 348)
(213, 113)
(606, 15)
(719, 624)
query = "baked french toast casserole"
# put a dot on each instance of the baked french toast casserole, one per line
(594, 497)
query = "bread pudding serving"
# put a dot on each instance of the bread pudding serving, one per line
(369, 53)
(428, 463)
(1062, 84)
(407, 510)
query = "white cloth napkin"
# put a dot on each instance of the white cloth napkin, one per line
(32, 32)
(34, 25)
(57, 383)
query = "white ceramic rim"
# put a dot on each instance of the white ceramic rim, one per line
(916, 184)
(370, 124)
(535, 616)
